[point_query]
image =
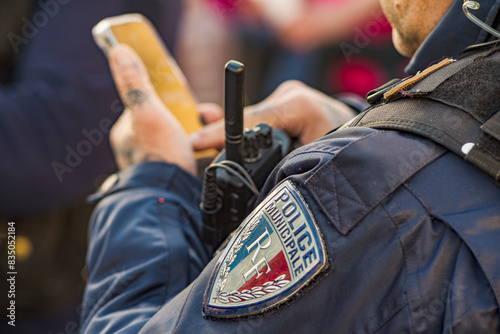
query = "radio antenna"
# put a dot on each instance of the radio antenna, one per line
(233, 110)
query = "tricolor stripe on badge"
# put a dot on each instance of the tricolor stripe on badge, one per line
(276, 251)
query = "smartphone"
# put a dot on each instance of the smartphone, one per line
(168, 80)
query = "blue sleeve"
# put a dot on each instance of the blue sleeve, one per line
(144, 250)
(56, 112)
(144, 247)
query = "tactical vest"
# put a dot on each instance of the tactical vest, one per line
(455, 103)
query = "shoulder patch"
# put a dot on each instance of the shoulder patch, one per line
(275, 252)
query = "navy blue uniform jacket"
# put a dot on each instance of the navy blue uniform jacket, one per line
(408, 232)
(408, 252)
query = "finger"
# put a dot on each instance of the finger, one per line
(130, 76)
(284, 88)
(211, 136)
(273, 110)
(272, 113)
(210, 112)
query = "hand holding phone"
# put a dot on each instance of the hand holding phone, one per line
(168, 80)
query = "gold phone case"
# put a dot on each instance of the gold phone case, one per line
(168, 80)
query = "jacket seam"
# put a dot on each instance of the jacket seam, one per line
(403, 249)
(315, 175)
(390, 317)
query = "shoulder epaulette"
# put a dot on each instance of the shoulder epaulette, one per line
(454, 103)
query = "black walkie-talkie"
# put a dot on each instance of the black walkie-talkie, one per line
(233, 181)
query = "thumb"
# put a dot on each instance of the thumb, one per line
(131, 77)
(211, 136)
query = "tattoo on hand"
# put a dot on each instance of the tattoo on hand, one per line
(136, 97)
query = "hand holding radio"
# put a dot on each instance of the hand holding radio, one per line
(297, 109)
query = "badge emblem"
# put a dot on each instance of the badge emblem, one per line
(276, 251)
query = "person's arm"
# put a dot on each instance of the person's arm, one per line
(144, 247)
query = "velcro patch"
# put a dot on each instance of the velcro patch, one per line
(275, 252)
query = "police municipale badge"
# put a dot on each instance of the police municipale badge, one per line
(276, 251)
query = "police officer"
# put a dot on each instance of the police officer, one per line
(361, 231)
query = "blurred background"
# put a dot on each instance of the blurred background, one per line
(336, 46)
(57, 104)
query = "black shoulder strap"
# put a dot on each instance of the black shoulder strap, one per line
(458, 107)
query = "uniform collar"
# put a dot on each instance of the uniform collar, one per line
(453, 34)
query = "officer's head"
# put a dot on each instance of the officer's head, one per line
(412, 21)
